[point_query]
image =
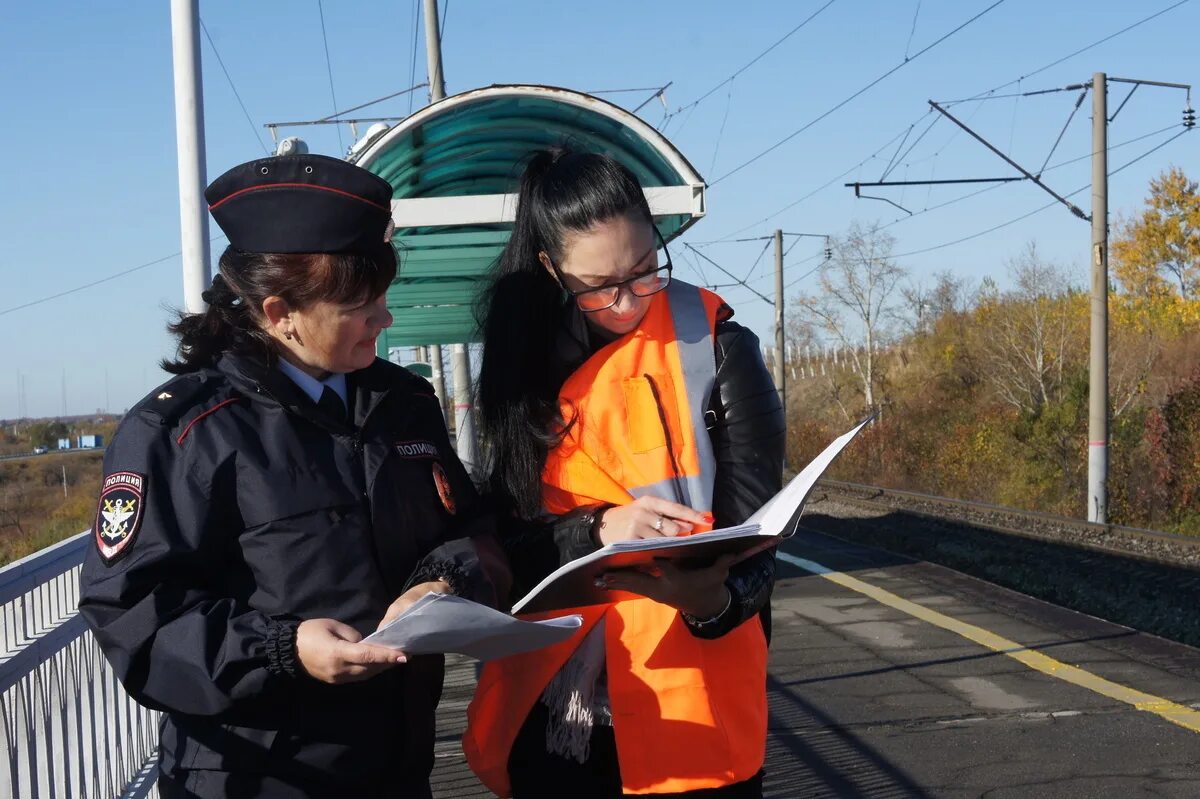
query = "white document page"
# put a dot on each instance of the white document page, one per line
(439, 623)
(573, 585)
(773, 517)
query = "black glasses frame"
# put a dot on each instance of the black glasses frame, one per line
(624, 285)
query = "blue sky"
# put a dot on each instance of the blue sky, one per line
(90, 174)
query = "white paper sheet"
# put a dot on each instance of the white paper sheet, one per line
(574, 584)
(439, 623)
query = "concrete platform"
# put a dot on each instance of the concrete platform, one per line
(869, 700)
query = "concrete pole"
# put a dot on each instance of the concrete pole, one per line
(1098, 364)
(460, 359)
(433, 52)
(780, 349)
(189, 139)
(780, 378)
(437, 90)
(439, 377)
(464, 419)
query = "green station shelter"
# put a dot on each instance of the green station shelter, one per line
(455, 166)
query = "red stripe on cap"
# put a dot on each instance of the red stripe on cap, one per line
(224, 200)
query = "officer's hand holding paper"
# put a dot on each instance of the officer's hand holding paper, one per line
(574, 585)
(439, 623)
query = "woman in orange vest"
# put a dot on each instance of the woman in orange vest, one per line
(620, 402)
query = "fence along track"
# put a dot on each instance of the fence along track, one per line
(67, 727)
(1148, 545)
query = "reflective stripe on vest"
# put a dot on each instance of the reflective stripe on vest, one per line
(694, 339)
(688, 713)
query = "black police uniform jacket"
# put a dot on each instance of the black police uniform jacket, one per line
(233, 507)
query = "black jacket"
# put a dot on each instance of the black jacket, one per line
(746, 423)
(259, 511)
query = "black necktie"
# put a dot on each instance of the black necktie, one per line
(332, 404)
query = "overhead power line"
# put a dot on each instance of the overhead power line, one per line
(1050, 168)
(336, 118)
(336, 114)
(740, 281)
(1050, 204)
(809, 273)
(1083, 49)
(412, 72)
(329, 71)
(1022, 217)
(913, 31)
(856, 94)
(758, 260)
(106, 279)
(980, 96)
(820, 188)
(238, 96)
(746, 66)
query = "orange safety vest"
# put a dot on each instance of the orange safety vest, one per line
(688, 713)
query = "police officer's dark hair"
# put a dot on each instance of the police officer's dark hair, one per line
(234, 320)
(523, 310)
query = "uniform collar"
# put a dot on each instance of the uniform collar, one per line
(311, 385)
(255, 378)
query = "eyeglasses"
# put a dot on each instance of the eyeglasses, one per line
(643, 284)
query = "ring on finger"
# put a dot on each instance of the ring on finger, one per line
(658, 525)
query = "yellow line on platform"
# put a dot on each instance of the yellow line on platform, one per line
(1184, 716)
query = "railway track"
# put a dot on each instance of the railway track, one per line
(1148, 545)
(1144, 579)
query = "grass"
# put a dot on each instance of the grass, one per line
(33, 511)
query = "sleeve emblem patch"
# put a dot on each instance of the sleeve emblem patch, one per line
(119, 515)
(442, 481)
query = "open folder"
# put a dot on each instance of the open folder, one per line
(438, 623)
(574, 585)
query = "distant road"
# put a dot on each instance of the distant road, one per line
(31, 456)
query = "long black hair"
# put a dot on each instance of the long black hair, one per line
(234, 322)
(523, 311)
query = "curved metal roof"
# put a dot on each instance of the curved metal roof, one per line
(454, 167)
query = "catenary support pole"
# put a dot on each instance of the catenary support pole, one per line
(460, 358)
(1098, 364)
(189, 139)
(780, 348)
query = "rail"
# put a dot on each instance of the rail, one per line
(1149, 545)
(67, 727)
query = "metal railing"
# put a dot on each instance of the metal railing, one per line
(67, 727)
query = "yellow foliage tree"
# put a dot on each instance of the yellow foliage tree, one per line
(1160, 249)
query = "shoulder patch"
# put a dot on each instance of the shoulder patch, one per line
(441, 482)
(119, 514)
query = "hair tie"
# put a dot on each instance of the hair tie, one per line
(220, 293)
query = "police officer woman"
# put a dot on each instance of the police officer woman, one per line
(627, 404)
(279, 499)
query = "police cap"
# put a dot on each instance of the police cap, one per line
(302, 204)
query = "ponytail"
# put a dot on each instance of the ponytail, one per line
(233, 321)
(226, 325)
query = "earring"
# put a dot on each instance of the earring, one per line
(289, 335)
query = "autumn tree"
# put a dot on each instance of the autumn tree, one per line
(1160, 249)
(1030, 334)
(855, 306)
(926, 304)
